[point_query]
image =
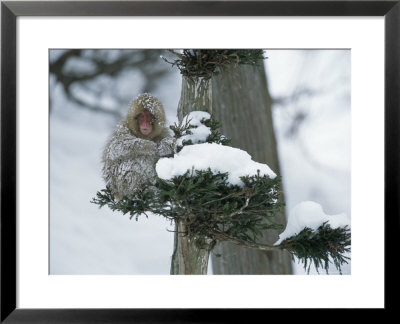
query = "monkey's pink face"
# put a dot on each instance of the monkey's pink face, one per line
(145, 120)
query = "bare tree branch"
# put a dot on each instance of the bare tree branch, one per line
(141, 60)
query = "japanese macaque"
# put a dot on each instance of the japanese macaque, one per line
(135, 146)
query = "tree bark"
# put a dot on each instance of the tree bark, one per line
(196, 94)
(242, 104)
(187, 257)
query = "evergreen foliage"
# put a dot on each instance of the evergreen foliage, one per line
(207, 204)
(204, 63)
(320, 246)
(184, 128)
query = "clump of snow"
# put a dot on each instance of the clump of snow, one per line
(217, 157)
(200, 132)
(310, 214)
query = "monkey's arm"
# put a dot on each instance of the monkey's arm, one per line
(166, 146)
(123, 145)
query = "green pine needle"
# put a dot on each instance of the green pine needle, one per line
(203, 63)
(320, 247)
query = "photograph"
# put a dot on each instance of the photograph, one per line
(199, 161)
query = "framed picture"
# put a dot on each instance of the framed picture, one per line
(102, 28)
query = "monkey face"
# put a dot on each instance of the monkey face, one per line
(145, 120)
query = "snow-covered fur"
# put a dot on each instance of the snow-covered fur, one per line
(129, 157)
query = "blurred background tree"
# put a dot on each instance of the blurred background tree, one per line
(85, 74)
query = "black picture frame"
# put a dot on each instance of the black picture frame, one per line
(11, 10)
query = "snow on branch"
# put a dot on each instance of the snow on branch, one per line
(315, 237)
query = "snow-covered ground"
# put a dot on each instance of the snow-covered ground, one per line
(315, 164)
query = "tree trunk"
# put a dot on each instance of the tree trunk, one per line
(243, 106)
(187, 257)
(196, 94)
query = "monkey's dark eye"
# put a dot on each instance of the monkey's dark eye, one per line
(145, 117)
